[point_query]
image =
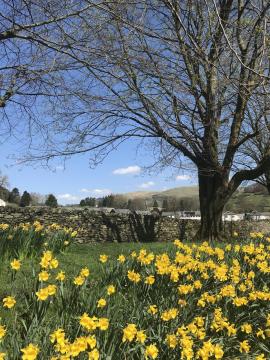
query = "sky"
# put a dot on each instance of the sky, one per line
(121, 172)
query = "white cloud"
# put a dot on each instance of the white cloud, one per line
(96, 192)
(147, 184)
(183, 177)
(135, 169)
(68, 197)
(85, 190)
(102, 192)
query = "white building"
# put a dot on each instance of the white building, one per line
(2, 203)
(264, 216)
(229, 216)
(257, 216)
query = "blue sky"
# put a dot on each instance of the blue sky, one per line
(121, 172)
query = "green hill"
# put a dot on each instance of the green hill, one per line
(178, 193)
(247, 202)
(140, 195)
(181, 192)
(241, 201)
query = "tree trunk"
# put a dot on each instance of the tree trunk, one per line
(213, 197)
(268, 187)
(267, 181)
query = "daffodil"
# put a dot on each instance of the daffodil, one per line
(9, 302)
(134, 276)
(244, 346)
(60, 276)
(151, 351)
(2, 331)
(30, 352)
(15, 264)
(103, 258)
(101, 303)
(121, 258)
(111, 289)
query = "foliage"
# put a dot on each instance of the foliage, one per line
(28, 240)
(136, 204)
(14, 196)
(192, 302)
(108, 201)
(89, 201)
(4, 193)
(51, 201)
(25, 199)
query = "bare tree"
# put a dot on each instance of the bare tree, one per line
(254, 151)
(36, 39)
(37, 199)
(179, 75)
(4, 183)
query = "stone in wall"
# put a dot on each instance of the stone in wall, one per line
(97, 227)
(100, 227)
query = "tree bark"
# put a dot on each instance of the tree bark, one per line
(213, 195)
(267, 181)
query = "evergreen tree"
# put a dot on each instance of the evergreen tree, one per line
(51, 201)
(25, 199)
(108, 201)
(14, 196)
(90, 201)
(155, 205)
(82, 203)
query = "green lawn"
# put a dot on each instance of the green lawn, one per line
(76, 257)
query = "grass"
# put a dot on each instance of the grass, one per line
(190, 301)
(78, 256)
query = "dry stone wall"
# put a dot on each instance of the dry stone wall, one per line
(97, 227)
(100, 227)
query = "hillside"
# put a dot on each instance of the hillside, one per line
(247, 202)
(241, 201)
(178, 193)
(140, 195)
